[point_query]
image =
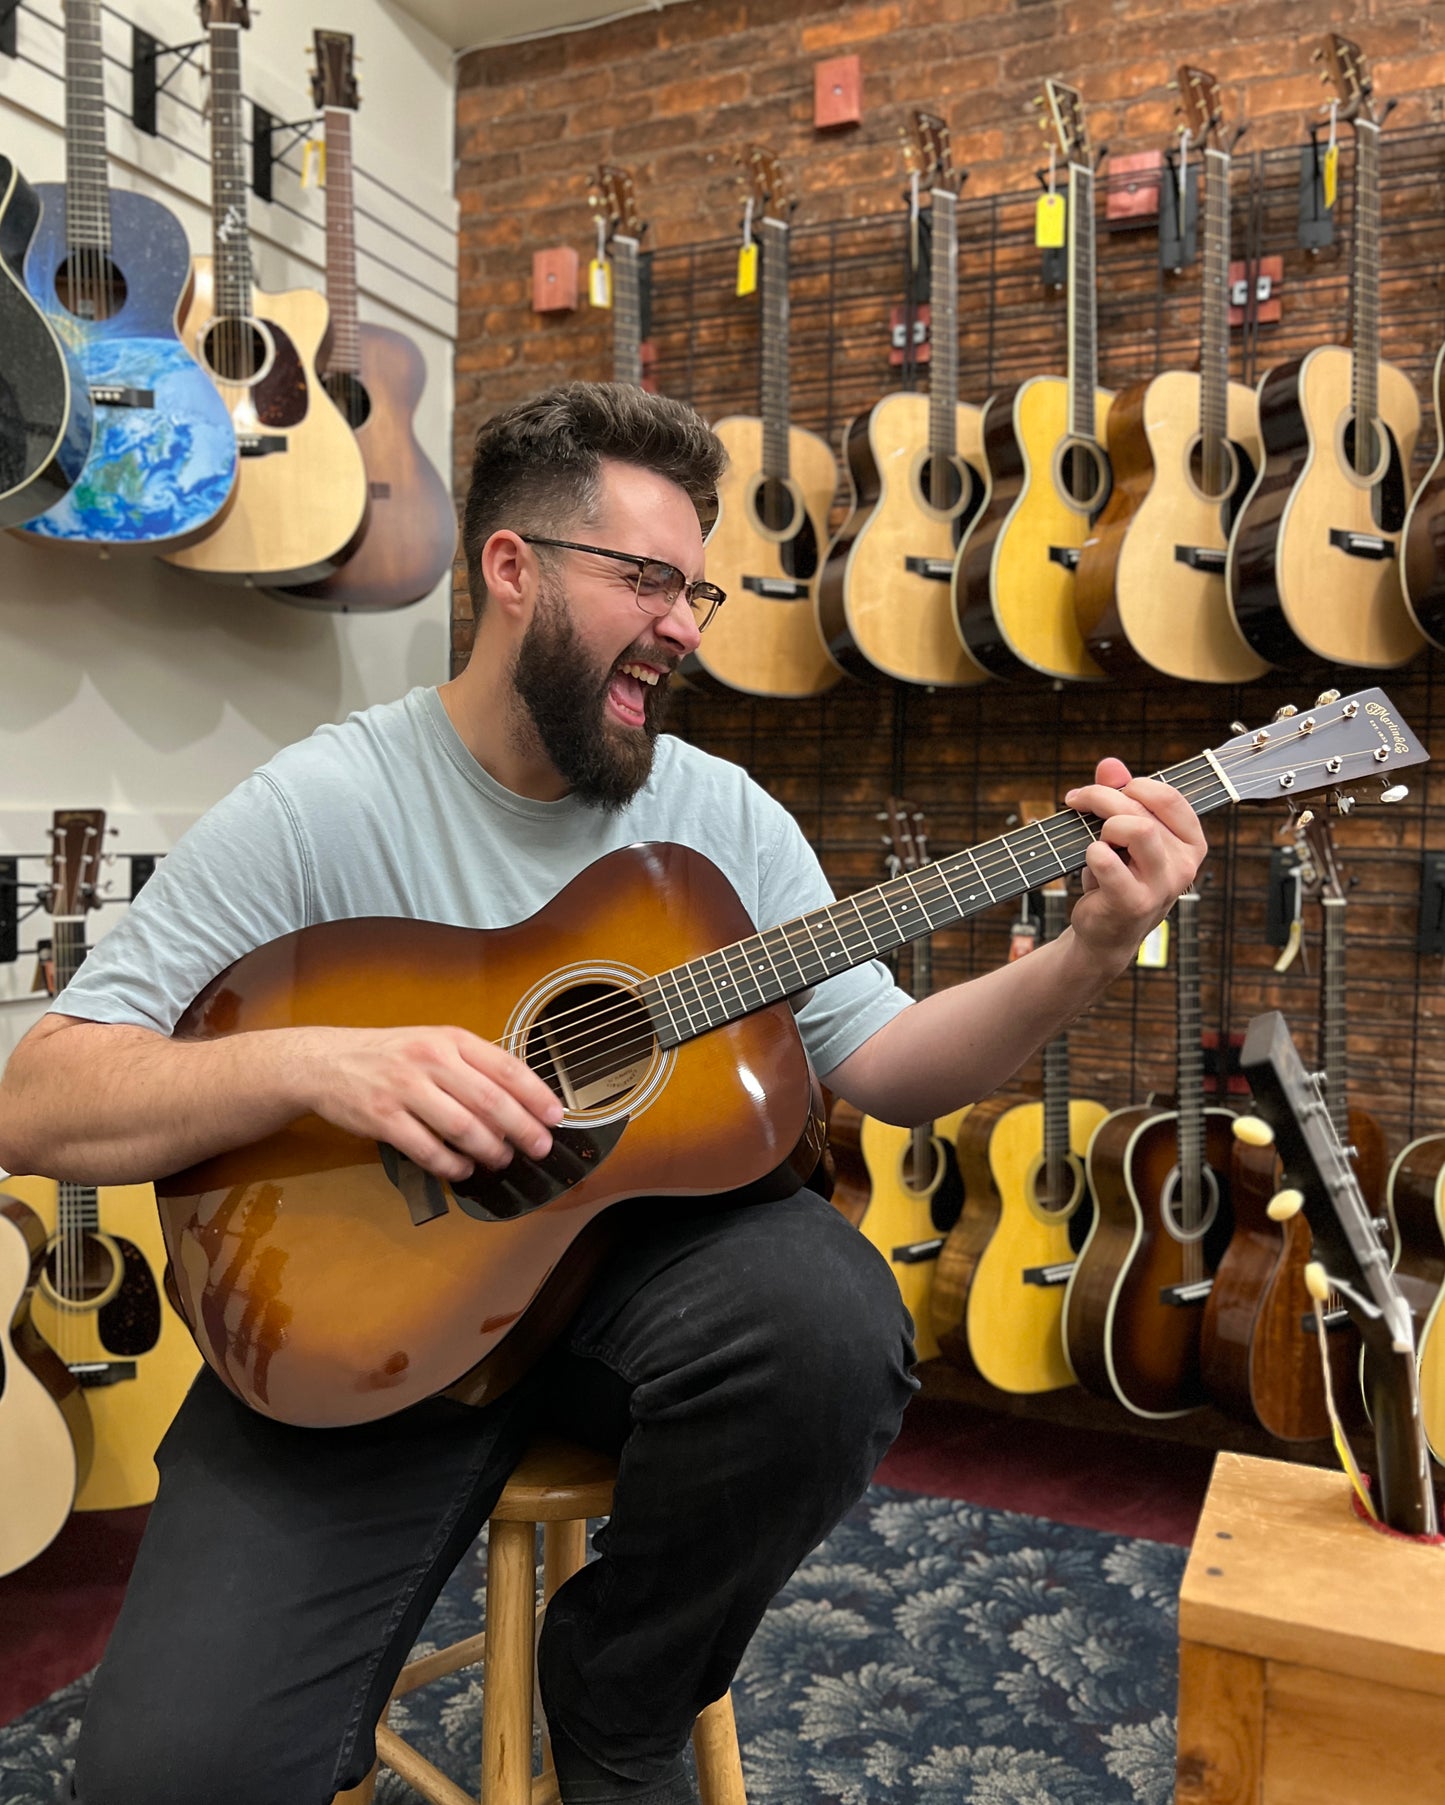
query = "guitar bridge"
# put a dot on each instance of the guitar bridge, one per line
(1067, 555)
(1362, 545)
(95, 1373)
(1338, 1318)
(916, 1253)
(1194, 1292)
(516, 1190)
(112, 394)
(776, 589)
(937, 570)
(1201, 557)
(1049, 1276)
(260, 444)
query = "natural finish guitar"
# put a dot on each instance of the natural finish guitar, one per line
(1422, 545)
(45, 1436)
(641, 994)
(46, 418)
(301, 500)
(1417, 1216)
(914, 1189)
(885, 596)
(1160, 1180)
(621, 227)
(1013, 1303)
(773, 502)
(1048, 473)
(375, 377)
(1314, 567)
(110, 269)
(99, 1304)
(1183, 449)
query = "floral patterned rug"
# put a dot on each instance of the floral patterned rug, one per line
(929, 1653)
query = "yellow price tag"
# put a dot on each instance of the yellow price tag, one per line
(1332, 173)
(1049, 221)
(1154, 952)
(313, 147)
(599, 282)
(748, 268)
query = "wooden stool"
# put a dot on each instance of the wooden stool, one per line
(559, 1485)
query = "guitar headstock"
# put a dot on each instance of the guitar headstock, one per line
(764, 182)
(928, 148)
(333, 81)
(76, 838)
(225, 12)
(1066, 113)
(1201, 102)
(1316, 846)
(1348, 70)
(907, 834)
(614, 198)
(1341, 740)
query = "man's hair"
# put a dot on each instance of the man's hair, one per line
(537, 466)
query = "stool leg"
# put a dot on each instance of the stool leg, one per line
(564, 1549)
(507, 1681)
(359, 1795)
(715, 1749)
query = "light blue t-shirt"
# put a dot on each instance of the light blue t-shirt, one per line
(389, 814)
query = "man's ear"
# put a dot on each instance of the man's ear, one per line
(509, 571)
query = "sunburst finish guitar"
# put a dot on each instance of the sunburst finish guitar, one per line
(1314, 565)
(1048, 472)
(301, 499)
(642, 995)
(767, 546)
(885, 597)
(1183, 449)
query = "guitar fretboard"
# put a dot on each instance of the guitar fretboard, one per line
(1214, 334)
(626, 312)
(1365, 355)
(1334, 1031)
(773, 236)
(87, 189)
(1189, 1081)
(943, 358)
(766, 968)
(77, 1207)
(230, 231)
(1056, 1068)
(1083, 329)
(345, 353)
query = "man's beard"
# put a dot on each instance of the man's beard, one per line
(558, 686)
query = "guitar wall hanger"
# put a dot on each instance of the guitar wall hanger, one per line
(9, 43)
(145, 57)
(264, 154)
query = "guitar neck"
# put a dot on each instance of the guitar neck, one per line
(766, 968)
(922, 987)
(230, 231)
(1334, 1031)
(775, 399)
(943, 365)
(1214, 323)
(1189, 1080)
(77, 1207)
(344, 356)
(87, 190)
(1365, 356)
(1056, 1066)
(626, 312)
(1083, 327)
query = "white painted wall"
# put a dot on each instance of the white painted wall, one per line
(140, 689)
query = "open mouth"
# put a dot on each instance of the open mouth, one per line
(629, 688)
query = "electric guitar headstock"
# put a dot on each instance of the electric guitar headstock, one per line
(765, 184)
(928, 148)
(1351, 1259)
(1066, 114)
(1201, 102)
(1347, 69)
(333, 81)
(614, 199)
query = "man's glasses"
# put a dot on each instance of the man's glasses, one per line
(658, 585)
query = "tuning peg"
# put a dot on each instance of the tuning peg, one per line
(1284, 713)
(1284, 1205)
(1254, 1131)
(1344, 803)
(1238, 727)
(1395, 792)
(1173, 86)
(1317, 54)
(1316, 1282)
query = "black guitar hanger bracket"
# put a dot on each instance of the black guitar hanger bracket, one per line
(264, 154)
(9, 41)
(145, 56)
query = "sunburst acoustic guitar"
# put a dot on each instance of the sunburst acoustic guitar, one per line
(767, 545)
(1048, 471)
(1183, 450)
(301, 499)
(885, 596)
(1314, 567)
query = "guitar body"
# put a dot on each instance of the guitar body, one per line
(978, 1220)
(272, 1245)
(129, 1330)
(851, 1186)
(301, 498)
(1294, 588)
(411, 529)
(46, 419)
(44, 1429)
(1417, 1209)
(1015, 1328)
(162, 467)
(876, 613)
(1422, 555)
(1123, 1340)
(1150, 590)
(768, 644)
(906, 1208)
(1014, 587)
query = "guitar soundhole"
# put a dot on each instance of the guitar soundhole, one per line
(350, 396)
(1371, 442)
(1189, 1226)
(777, 506)
(235, 349)
(1083, 475)
(80, 1271)
(1386, 473)
(1057, 1186)
(90, 286)
(941, 482)
(1214, 485)
(593, 1044)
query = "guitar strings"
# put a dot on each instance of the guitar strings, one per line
(622, 1014)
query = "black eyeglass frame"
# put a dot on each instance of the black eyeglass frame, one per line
(709, 592)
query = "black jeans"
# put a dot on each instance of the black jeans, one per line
(750, 1363)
